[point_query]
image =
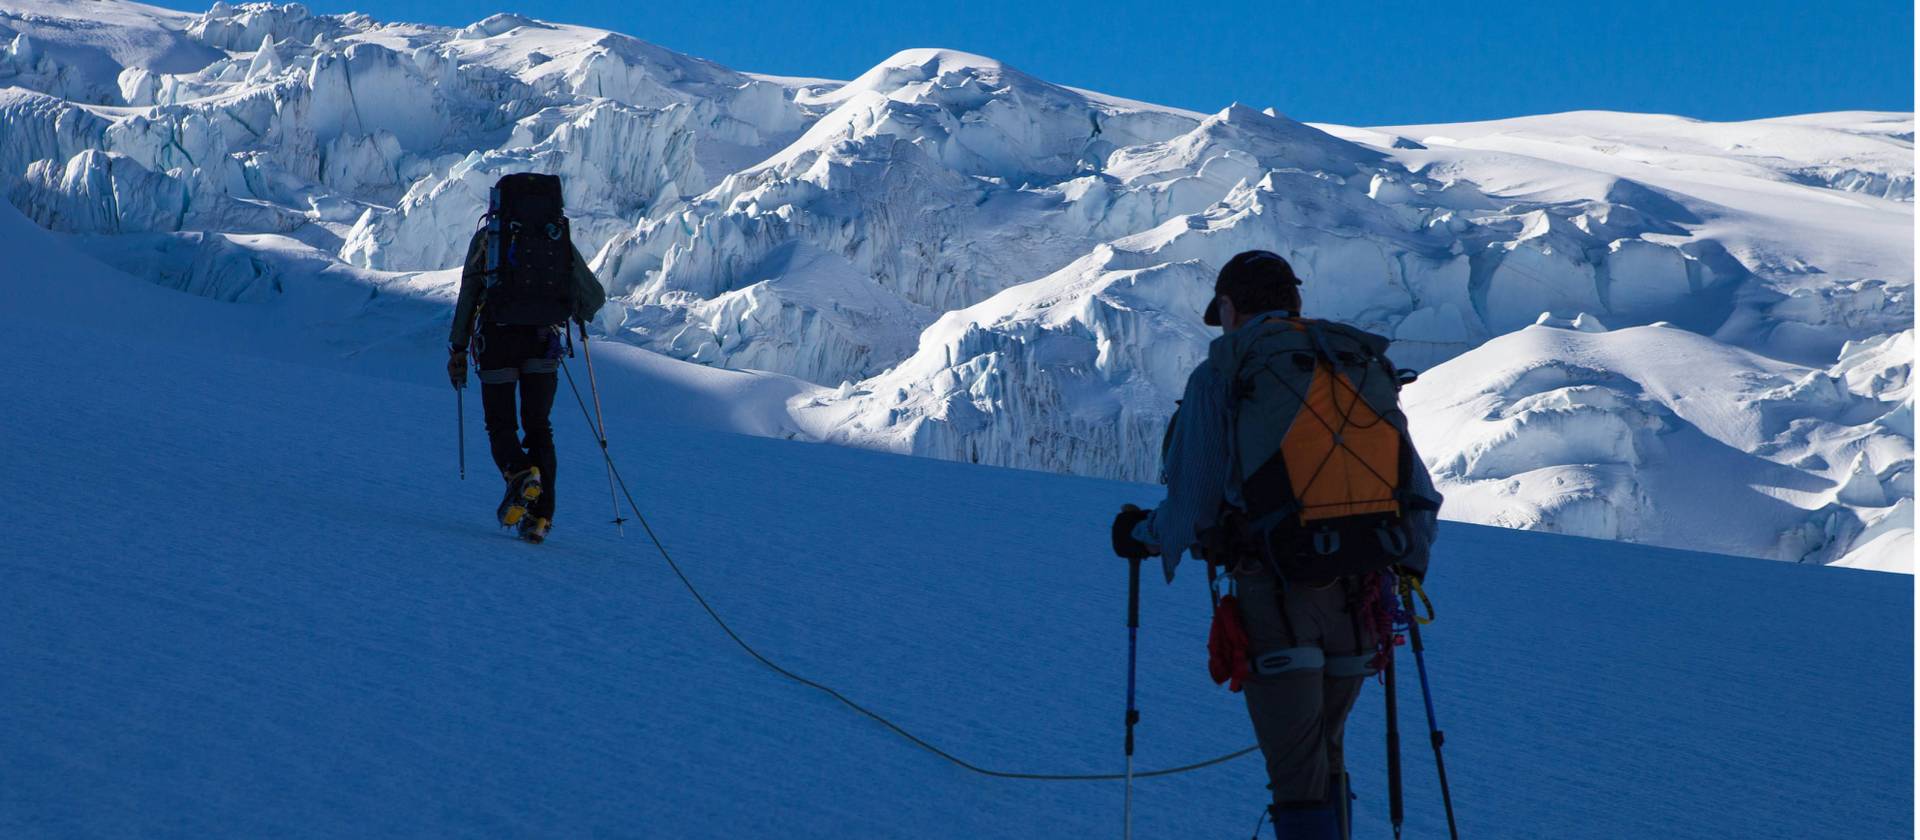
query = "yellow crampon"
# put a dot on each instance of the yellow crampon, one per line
(535, 530)
(519, 508)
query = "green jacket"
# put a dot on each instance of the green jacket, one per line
(588, 294)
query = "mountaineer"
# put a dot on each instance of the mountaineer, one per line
(1288, 465)
(524, 281)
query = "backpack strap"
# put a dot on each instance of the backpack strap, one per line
(1319, 340)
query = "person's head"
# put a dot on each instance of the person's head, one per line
(1249, 284)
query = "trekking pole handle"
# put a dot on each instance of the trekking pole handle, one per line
(1133, 593)
(460, 425)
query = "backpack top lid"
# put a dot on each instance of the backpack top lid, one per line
(527, 195)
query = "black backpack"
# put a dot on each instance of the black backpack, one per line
(529, 268)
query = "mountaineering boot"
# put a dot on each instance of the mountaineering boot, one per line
(523, 488)
(1305, 821)
(534, 529)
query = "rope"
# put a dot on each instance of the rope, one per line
(834, 693)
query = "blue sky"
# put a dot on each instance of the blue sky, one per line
(1357, 63)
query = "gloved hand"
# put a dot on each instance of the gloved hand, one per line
(1124, 544)
(457, 366)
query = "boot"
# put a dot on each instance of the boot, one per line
(534, 529)
(1305, 821)
(523, 488)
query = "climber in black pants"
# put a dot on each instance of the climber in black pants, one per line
(524, 285)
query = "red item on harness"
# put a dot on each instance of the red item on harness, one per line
(1227, 645)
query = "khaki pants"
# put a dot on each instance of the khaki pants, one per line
(1299, 705)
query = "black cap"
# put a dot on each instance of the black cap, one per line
(1248, 271)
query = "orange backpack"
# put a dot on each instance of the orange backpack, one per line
(1330, 481)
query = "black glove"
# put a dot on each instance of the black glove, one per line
(457, 367)
(1124, 544)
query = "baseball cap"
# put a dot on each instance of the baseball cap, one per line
(1247, 271)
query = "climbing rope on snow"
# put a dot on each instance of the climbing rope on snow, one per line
(830, 691)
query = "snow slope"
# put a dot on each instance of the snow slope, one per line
(248, 596)
(1622, 431)
(947, 256)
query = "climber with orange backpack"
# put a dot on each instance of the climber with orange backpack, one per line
(1288, 465)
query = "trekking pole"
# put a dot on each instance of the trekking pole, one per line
(1433, 728)
(1396, 805)
(600, 430)
(460, 421)
(1133, 714)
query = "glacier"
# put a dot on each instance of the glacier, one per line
(1619, 318)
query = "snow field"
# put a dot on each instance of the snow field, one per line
(255, 600)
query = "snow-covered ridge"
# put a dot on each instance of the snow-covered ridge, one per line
(978, 264)
(1656, 434)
